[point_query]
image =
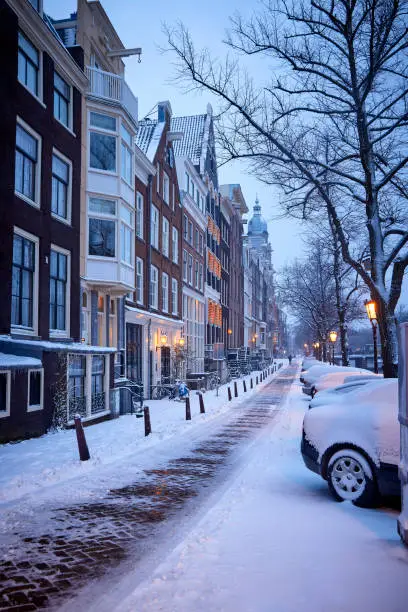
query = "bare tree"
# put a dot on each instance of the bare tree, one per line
(329, 126)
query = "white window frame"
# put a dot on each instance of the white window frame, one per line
(139, 265)
(154, 295)
(174, 300)
(68, 127)
(165, 236)
(40, 406)
(6, 413)
(139, 215)
(154, 235)
(68, 220)
(39, 97)
(106, 132)
(125, 144)
(129, 228)
(190, 273)
(201, 277)
(185, 267)
(166, 188)
(37, 201)
(32, 331)
(175, 245)
(59, 333)
(106, 217)
(158, 178)
(165, 292)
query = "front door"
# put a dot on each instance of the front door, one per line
(165, 364)
(134, 352)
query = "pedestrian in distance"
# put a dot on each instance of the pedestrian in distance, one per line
(290, 359)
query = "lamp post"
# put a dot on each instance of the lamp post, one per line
(333, 338)
(371, 308)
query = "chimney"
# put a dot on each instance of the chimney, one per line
(164, 111)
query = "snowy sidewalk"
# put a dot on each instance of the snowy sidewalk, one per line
(38, 465)
(274, 541)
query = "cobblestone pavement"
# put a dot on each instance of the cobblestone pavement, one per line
(44, 566)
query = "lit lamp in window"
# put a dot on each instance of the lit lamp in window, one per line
(163, 339)
(371, 308)
(333, 338)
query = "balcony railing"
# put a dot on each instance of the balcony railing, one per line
(112, 87)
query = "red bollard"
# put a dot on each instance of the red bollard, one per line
(147, 424)
(235, 389)
(229, 394)
(188, 410)
(244, 385)
(201, 400)
(80, 434)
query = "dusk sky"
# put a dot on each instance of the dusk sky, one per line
(140, 25)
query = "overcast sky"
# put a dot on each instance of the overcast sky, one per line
(139, 24)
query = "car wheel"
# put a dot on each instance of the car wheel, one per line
(350, 478)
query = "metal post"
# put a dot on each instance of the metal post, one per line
(229, 394)
(80, 434)
(235, 389)
(188, 410)
(201, 400)
(147, 424)
(374, 326)
(244, 384)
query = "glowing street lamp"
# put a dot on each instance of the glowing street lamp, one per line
(163, 339)
(333, 338)
(371, 308)
(181, 342)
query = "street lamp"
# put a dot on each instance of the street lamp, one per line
(333, 338)
(163, 339)
(181, 342)
(371, 308)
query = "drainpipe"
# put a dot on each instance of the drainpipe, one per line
(149, 260)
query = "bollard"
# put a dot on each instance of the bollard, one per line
(256, 380)
(147, 424)
(244, 385)
(80, 434)
(235, 389)
(201, 400)
(229, 394)
(188, 410)
(252, 384)
(260, 377)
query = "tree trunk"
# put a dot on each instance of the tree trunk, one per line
(343, 338)
(388, 336)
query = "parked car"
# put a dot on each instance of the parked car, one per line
(354, 443)
(317, 371)
(307, 363)
(334, 395)
(334, 379)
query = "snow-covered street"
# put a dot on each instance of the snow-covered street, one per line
(218, 514)
(273, 539)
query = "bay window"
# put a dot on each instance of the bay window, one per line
(102, 145)
(126, 155)
(126, 235)
(102, 227)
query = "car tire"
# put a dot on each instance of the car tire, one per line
(351, 478)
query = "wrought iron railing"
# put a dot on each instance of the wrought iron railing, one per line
(98, 403)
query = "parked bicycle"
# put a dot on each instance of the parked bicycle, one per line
(177, 390)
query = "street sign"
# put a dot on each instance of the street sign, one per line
(218, 353)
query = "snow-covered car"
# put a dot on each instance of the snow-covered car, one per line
(334, 395)
(307, 363)
(317, 371)
(334, 379)
(354, 443)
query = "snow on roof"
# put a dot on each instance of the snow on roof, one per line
(148, 136)
(72, 347)
(191, 145)
(16, 362)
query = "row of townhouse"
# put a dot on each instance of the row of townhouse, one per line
(122, 259)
